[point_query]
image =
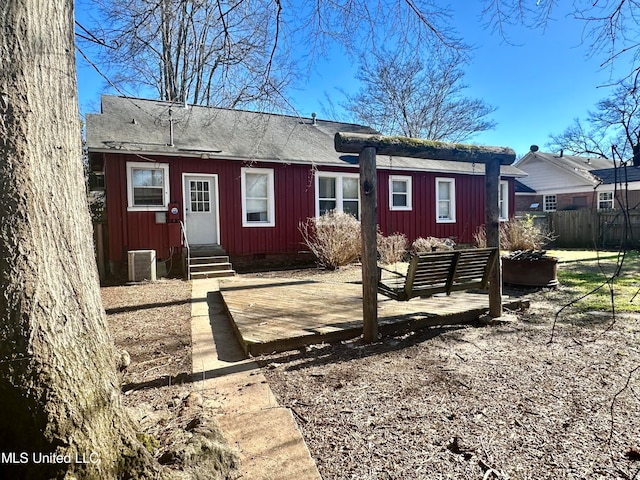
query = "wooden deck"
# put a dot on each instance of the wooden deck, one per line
(271, 315)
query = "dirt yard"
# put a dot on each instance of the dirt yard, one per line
(474, 402)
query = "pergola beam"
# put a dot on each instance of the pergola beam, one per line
(346, 142)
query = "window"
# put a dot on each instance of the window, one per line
(605, 200)
(340, 192)
(550, 203)
(147, 186)
(257, 197)
(200, 196)
(503, 201)
(445, 200)
(399, 193)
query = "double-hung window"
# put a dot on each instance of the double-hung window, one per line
(503, 201)
(445, 200)
(550, 203)
(399, 192)
(605, 200)
(337, 191)
(147, 186)
(258, 208)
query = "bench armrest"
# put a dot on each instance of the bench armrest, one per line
(391, 271)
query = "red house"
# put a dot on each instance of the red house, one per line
(241, 182)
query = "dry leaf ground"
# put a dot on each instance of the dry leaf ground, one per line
(465, 403)
(473, 402)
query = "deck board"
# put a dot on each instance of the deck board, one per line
(271, 315)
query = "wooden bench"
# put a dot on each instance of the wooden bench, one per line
(440, 272)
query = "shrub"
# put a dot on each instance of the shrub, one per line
(391, 249)
(430, 244)
(518, 234)
(334, 238)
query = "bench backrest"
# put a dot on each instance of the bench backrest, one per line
(444, 272)
(429, 271)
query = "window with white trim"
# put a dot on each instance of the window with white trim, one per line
(338, 191)
(503, 201)
(605, 200)
(399, 192)
(147, 186)
(258, 207)
(445, 200)
(550, 203)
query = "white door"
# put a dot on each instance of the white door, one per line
(201, 209)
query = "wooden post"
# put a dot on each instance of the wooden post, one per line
(368, 227)
(492, 225)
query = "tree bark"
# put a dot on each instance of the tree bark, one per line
(59, 389)
(414, 147)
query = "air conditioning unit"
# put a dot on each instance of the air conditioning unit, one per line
(142, 265)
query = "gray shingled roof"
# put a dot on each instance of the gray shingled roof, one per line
(142, 126)
(610, 176)
(522, 188)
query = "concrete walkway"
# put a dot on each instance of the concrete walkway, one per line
(270, 444)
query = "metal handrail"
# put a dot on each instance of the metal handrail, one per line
(186, 245)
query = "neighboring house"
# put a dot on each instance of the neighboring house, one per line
(566, 182)
(244, 181)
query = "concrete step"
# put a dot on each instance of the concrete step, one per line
(210, 267)
(213, 274)
(206, 250)
(209, 260)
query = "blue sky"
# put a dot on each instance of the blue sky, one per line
(539, 82)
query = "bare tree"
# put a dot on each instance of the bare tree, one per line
(209, 53)
(59, 389)
(615, 121)
(580, 138)
(238, 53)
(418, 98)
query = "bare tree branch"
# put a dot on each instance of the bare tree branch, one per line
(413, 98)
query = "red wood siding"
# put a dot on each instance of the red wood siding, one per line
(294, 202)
(420, 221)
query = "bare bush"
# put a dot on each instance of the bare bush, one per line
(431, 244)
(391, 249)
(334, 238)
(518, 234)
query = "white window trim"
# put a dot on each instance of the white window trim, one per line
(339, 194)
(400, 178)
(505, 200)
(544, 203)
(608, 200)
(452, 200)
(147, 165)
(271, 210)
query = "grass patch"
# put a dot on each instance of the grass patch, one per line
(567, 256)
(581, 273)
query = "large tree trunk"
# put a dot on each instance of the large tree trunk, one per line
(59, 388)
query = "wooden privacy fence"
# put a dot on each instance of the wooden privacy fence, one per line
(589, 229)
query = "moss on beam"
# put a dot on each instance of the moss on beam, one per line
(419, 148)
